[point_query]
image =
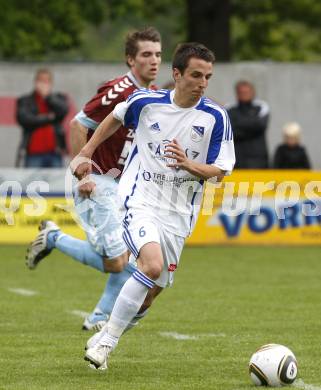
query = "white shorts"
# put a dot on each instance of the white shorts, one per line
(140, 228)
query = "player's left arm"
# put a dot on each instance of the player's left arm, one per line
(204, 171)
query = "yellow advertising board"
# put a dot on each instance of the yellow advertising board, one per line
(20, 217)
(249, 208)
(261, 208)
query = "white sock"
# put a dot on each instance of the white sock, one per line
(127, 305)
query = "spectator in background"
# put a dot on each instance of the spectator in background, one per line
(40, 115)
(249, 118)
(290, 154)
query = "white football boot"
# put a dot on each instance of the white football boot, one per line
(98, 356)
(38, 250)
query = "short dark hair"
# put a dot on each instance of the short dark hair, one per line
(146, 34)
(185, 51)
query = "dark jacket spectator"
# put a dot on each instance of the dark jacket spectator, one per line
(290, 154)
(40, 115)
(249, 118)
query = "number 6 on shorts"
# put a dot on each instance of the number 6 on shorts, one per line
(142, 232)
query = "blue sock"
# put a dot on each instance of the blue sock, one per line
(79, 250)
(114, 284)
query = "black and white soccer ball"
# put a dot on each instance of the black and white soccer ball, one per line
(273, 365)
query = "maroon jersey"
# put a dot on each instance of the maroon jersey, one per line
(113, 152)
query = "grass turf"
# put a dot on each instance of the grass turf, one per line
(233, 299)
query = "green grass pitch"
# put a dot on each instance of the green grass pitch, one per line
(232, 300)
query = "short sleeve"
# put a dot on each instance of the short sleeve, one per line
(226, 157)
(120, 111)
(221, 146)
(86, 121)
(128, 112)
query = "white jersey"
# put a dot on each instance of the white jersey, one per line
(204, 132)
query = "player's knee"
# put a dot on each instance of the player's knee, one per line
(153, 271)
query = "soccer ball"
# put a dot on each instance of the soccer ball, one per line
(273, 365)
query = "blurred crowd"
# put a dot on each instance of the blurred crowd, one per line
(250, 118)
(43, 144)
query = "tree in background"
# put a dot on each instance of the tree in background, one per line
(106, 41)
(81, 30)
(209, 23)
(280, 30)
(31, 30)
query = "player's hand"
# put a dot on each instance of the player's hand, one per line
(175, 152)
(81, 166)
(86, 187)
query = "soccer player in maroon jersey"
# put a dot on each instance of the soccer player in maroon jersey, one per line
(104, 248)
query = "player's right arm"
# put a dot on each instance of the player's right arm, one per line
(125, 113)
(78, 139)
(93, 113)
(105, 130)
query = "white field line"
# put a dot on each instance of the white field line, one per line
(179, 336)
(299, 384)
(22, 291)
(79, 313)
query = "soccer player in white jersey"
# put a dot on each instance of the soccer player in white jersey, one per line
(182, 140)
(104, 248)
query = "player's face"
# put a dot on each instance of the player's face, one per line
(194, 81)
(145, 65)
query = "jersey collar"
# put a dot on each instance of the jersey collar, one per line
(133, 79)
(172, 94)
